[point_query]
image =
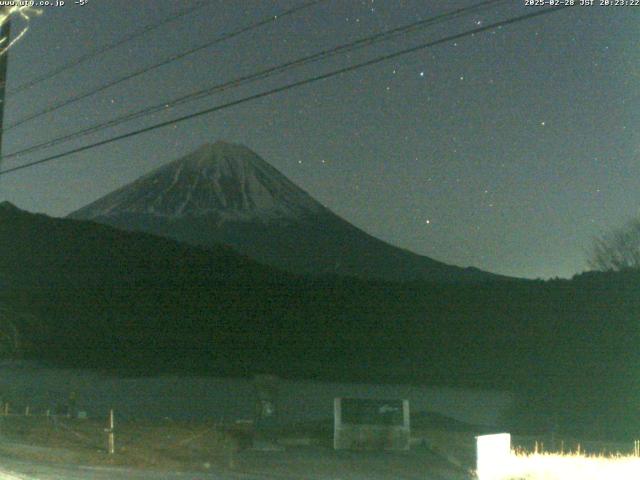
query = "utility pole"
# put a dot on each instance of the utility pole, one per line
(5, 32)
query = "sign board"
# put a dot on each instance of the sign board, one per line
(493, 456)
(371, 424)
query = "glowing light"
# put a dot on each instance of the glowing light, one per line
(493, 456)
(15, 11)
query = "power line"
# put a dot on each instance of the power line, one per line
(84, 58)
(137, 73)
(322, 55)
(283, 88)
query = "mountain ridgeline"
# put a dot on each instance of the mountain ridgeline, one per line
(226, 194)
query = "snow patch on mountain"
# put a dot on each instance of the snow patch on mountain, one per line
(224, 179)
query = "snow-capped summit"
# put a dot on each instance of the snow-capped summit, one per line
(223, 179)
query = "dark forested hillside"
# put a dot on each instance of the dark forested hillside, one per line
(136, 303)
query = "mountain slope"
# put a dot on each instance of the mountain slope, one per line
(225, 193)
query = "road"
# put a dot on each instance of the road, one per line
(18, 470)
(292, 464)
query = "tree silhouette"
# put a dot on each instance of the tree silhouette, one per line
(10, 344)
(617, 250)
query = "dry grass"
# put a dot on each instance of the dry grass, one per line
(587, 461)
(159, 445)
(572, 466)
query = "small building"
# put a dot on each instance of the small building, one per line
(371, 424)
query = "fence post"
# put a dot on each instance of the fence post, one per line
(111, 441)
(6, 409)
(26, 411)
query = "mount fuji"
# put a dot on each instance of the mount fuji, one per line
(225, 193)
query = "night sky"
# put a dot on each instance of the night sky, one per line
(509, 150)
